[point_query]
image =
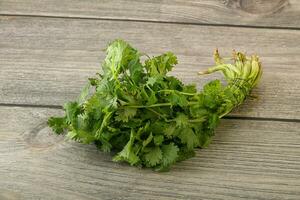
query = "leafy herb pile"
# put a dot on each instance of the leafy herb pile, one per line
(151, 119)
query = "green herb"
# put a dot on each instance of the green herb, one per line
(148, 118)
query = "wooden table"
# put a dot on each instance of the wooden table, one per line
(49, 48)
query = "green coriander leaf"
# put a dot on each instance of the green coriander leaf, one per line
(151, 81)
(81, 136)
(161, 64)
(118, 56)
(125, 114)
(84, 94)
(128, 154)
(205, 139)
(188, 137)
(148, 140)
(58, 124)
(72, 110)
(177, 99)
(104, 145)
(169, 131)
(174, 83)
(152, 99)
(135, 69)
(158, 139)
(181, 120)
(213, 121)
(154, 156)
(190, 88)
(158, 127)
(184, 154)
(170, 154)
(198, 111)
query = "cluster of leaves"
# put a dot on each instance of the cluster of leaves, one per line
(148, 118)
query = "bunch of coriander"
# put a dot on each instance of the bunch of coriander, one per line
(148, 118)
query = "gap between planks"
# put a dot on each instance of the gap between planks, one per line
(153, 21)
(226, 117)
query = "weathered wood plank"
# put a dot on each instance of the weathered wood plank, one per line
(247, 159)
(270, 13)
(47, 61)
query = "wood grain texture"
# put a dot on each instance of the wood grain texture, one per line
(47, 61)
(247, 159)
(267, 13)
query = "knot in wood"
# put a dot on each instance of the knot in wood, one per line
(258, 7)
(41, 137)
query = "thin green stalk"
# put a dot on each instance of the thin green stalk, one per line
(184, 93)
(157, 113)
(198, 120)
(158, 105)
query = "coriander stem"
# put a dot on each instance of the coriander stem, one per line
(157, 113)
(198, 120)
(158, 105)
(212, 69)
(149, 106)
(184, 93)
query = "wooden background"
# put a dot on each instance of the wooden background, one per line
(48, 48)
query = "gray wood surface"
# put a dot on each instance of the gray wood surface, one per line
(246, 160)
(270, 13)
(47, 61)
(49, 48)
